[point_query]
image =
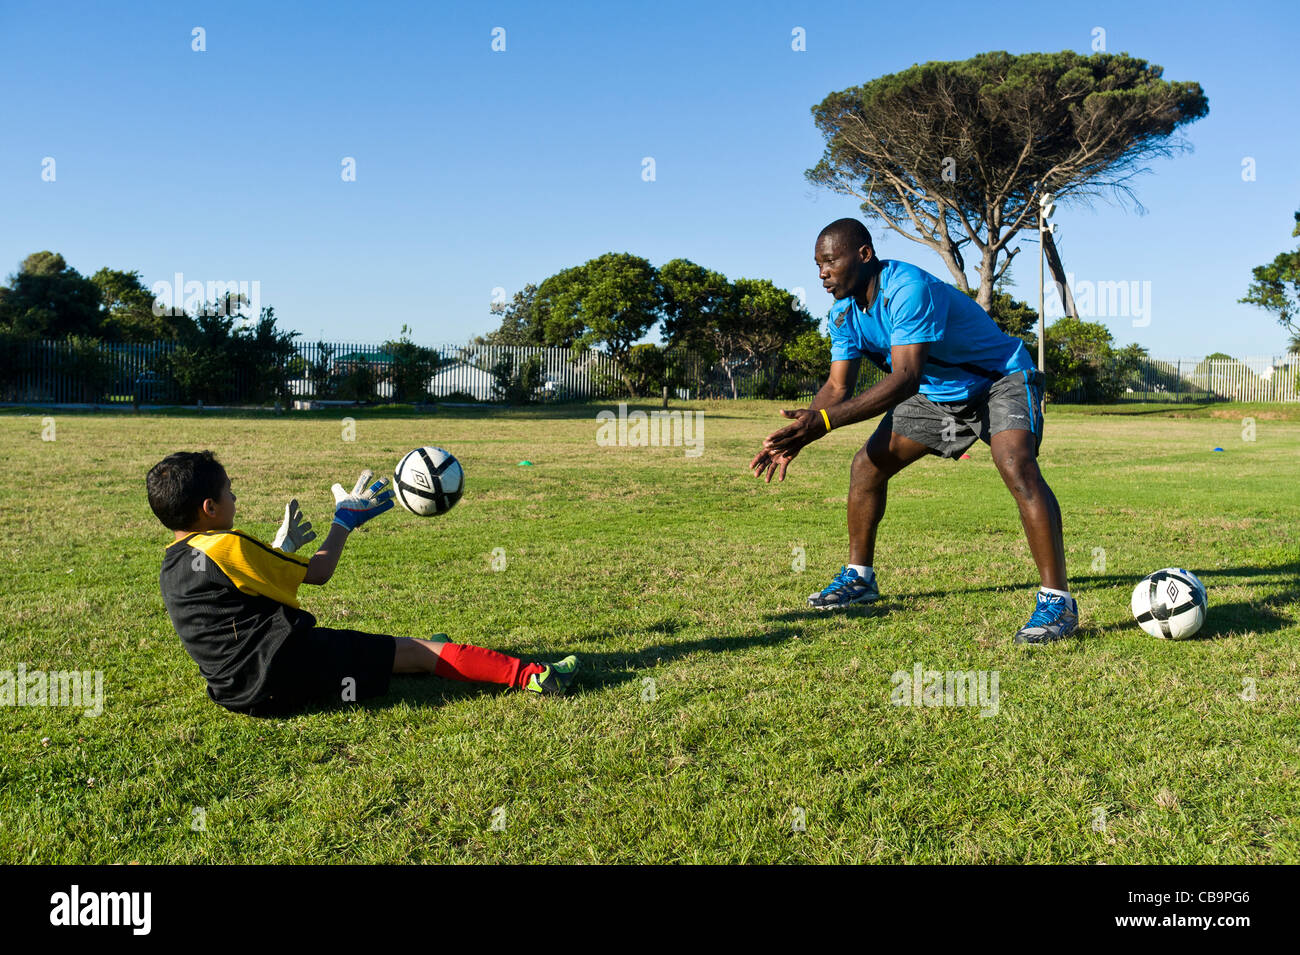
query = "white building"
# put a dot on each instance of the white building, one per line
(462, 378)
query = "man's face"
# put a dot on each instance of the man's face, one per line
(842, 269)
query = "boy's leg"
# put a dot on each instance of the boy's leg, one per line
(418, 656)
(471, 664)
(459, 661)
(326, 665)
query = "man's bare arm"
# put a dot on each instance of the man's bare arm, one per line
(906, 362)
(839, 384)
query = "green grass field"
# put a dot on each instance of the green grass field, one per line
(715, 720)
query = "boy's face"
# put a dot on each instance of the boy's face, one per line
(219, 513)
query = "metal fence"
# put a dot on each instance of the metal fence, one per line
(1275, 379)
(66, 372)
(465, 372)
(83, 372)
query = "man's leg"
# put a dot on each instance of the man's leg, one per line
(1056, 613)
(884, 455)
(1017, 461)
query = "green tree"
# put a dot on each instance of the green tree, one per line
(321, 371)
(958, 154)
(1083, 365)
(128, 309)
(83, 361)
(47, 298)
(809, 355)
(612, 300)
(1276, 289)
(696, 302)
(516, 385)
(768, 319)
(411, 368)
(358, 382)
(216, 360)
(651, 368)
(1126, 368)
(1076, 352)
(698, 308)
(520, 323)
(749, 322)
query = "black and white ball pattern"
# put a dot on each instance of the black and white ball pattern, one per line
(428, 481)
(1170, 603)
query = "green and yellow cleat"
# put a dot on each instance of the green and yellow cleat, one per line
(555, 678)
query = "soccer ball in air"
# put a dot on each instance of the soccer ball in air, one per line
(1170, 603)
(428, 481)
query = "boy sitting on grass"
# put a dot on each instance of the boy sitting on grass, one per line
(233, 601)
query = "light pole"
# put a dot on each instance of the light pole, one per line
(1046, 206)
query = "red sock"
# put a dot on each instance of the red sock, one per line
(464, 661)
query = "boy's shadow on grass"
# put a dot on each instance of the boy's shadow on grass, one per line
(597, 670)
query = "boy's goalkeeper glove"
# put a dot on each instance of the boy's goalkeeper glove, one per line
(353, 510)
(295, 531)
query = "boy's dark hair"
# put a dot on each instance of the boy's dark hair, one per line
(180, 483)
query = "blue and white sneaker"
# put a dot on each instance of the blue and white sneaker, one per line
(1053, 619)
(846, 590)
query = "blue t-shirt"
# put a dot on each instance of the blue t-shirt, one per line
(968, 351)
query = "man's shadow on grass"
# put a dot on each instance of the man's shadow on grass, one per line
(1266, 615)
(879, 608)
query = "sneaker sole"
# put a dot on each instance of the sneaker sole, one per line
(1045, 638)
(841, 606)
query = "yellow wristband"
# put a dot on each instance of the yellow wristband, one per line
(825, 418)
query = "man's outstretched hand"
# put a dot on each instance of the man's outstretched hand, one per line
(780, 447)
(767, 462)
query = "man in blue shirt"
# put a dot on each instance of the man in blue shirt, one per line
(952, 376)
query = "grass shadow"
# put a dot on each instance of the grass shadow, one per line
(1241, 616)
(880, 608)
(1261, 616)
(598, 669)
(613, 668)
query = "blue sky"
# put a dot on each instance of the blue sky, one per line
(478, 170)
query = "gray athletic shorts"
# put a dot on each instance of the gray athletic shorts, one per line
(950, 427)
